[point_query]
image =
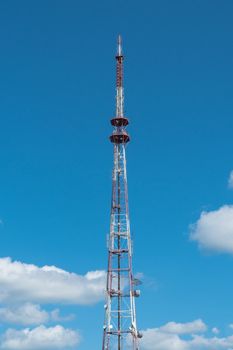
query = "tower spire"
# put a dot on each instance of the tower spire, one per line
(119, 80)
(119, 45)
(120, 326)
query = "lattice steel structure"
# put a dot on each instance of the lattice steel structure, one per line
(120, 327)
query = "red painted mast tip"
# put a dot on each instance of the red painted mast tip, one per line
(119, 135)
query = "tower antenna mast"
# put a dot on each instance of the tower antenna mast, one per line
(120, 326)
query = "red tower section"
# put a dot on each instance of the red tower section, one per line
(119, 134)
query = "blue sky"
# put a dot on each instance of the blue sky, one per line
(57, 96)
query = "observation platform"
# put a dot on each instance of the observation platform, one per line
(120, 136)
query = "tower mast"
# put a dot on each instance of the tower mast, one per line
(120, 327)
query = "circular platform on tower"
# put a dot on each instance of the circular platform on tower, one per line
(119, 137)
(119, 121)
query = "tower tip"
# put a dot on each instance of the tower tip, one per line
(119, 45)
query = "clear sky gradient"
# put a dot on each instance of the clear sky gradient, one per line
(57, 95)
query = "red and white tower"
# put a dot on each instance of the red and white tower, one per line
(120, 326)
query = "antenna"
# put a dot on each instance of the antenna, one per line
(120, 326)
(119, 46)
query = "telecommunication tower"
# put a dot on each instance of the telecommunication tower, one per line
(120, 327)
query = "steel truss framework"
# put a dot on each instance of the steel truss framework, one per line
(120, 327)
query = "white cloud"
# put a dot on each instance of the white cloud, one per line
(31, 314)
(23, 287)
(214, 230)
(202, 343)
(26, 314)
(230, 180)
(48, 284)
(154, 339)
(182, 336)
(40, 338)
(231, 325)
(215, 330)
(184, 328)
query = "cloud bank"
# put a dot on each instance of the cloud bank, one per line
(23, 287)
(171, 336)
(31, 314)
(184, 328)
(48, 284)
(26, 314)
(40, 338)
